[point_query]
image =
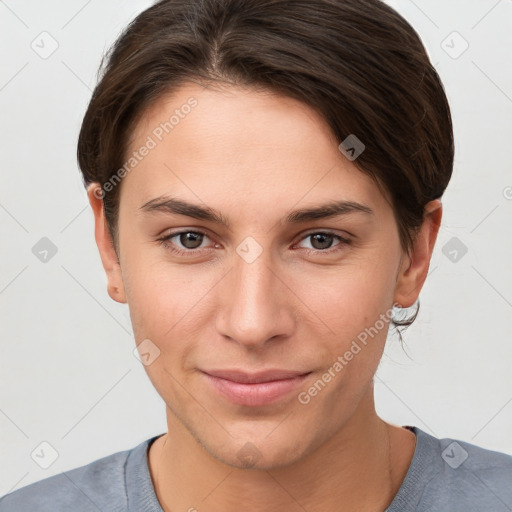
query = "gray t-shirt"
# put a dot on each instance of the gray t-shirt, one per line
(445, 475)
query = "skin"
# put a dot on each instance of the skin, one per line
(255, 156)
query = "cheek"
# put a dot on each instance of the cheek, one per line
(358, 317)
(348, 298)
(354, 302)
(165, 299)
(167, 307)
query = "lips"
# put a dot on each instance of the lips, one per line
(254, 378)
(254, 389)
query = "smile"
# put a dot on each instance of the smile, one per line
(254, 389)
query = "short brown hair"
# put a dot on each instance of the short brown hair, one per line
(356, 62)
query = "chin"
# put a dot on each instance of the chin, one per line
(256, 457)
(260, 451)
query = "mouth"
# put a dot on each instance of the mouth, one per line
(254, 389)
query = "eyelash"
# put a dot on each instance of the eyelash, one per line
(165, 242)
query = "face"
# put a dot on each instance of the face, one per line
(225, 271)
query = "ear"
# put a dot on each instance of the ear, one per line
(109, 259)
(414, 267)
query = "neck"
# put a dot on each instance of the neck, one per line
(360, 468)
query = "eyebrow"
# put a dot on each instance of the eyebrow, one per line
(171, 205)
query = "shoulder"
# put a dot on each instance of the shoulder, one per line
(478, 477)
(459, 476)
(99, 485)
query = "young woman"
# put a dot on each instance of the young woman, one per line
(265, 177)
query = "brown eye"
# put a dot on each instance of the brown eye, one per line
(191, 239)
(321, 240)
(187, 242)
(324, 241)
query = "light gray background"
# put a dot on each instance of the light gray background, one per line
(68, 374)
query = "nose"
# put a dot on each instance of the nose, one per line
(257, 306)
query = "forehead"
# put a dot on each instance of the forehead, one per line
(226, 145)
(241, 116)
